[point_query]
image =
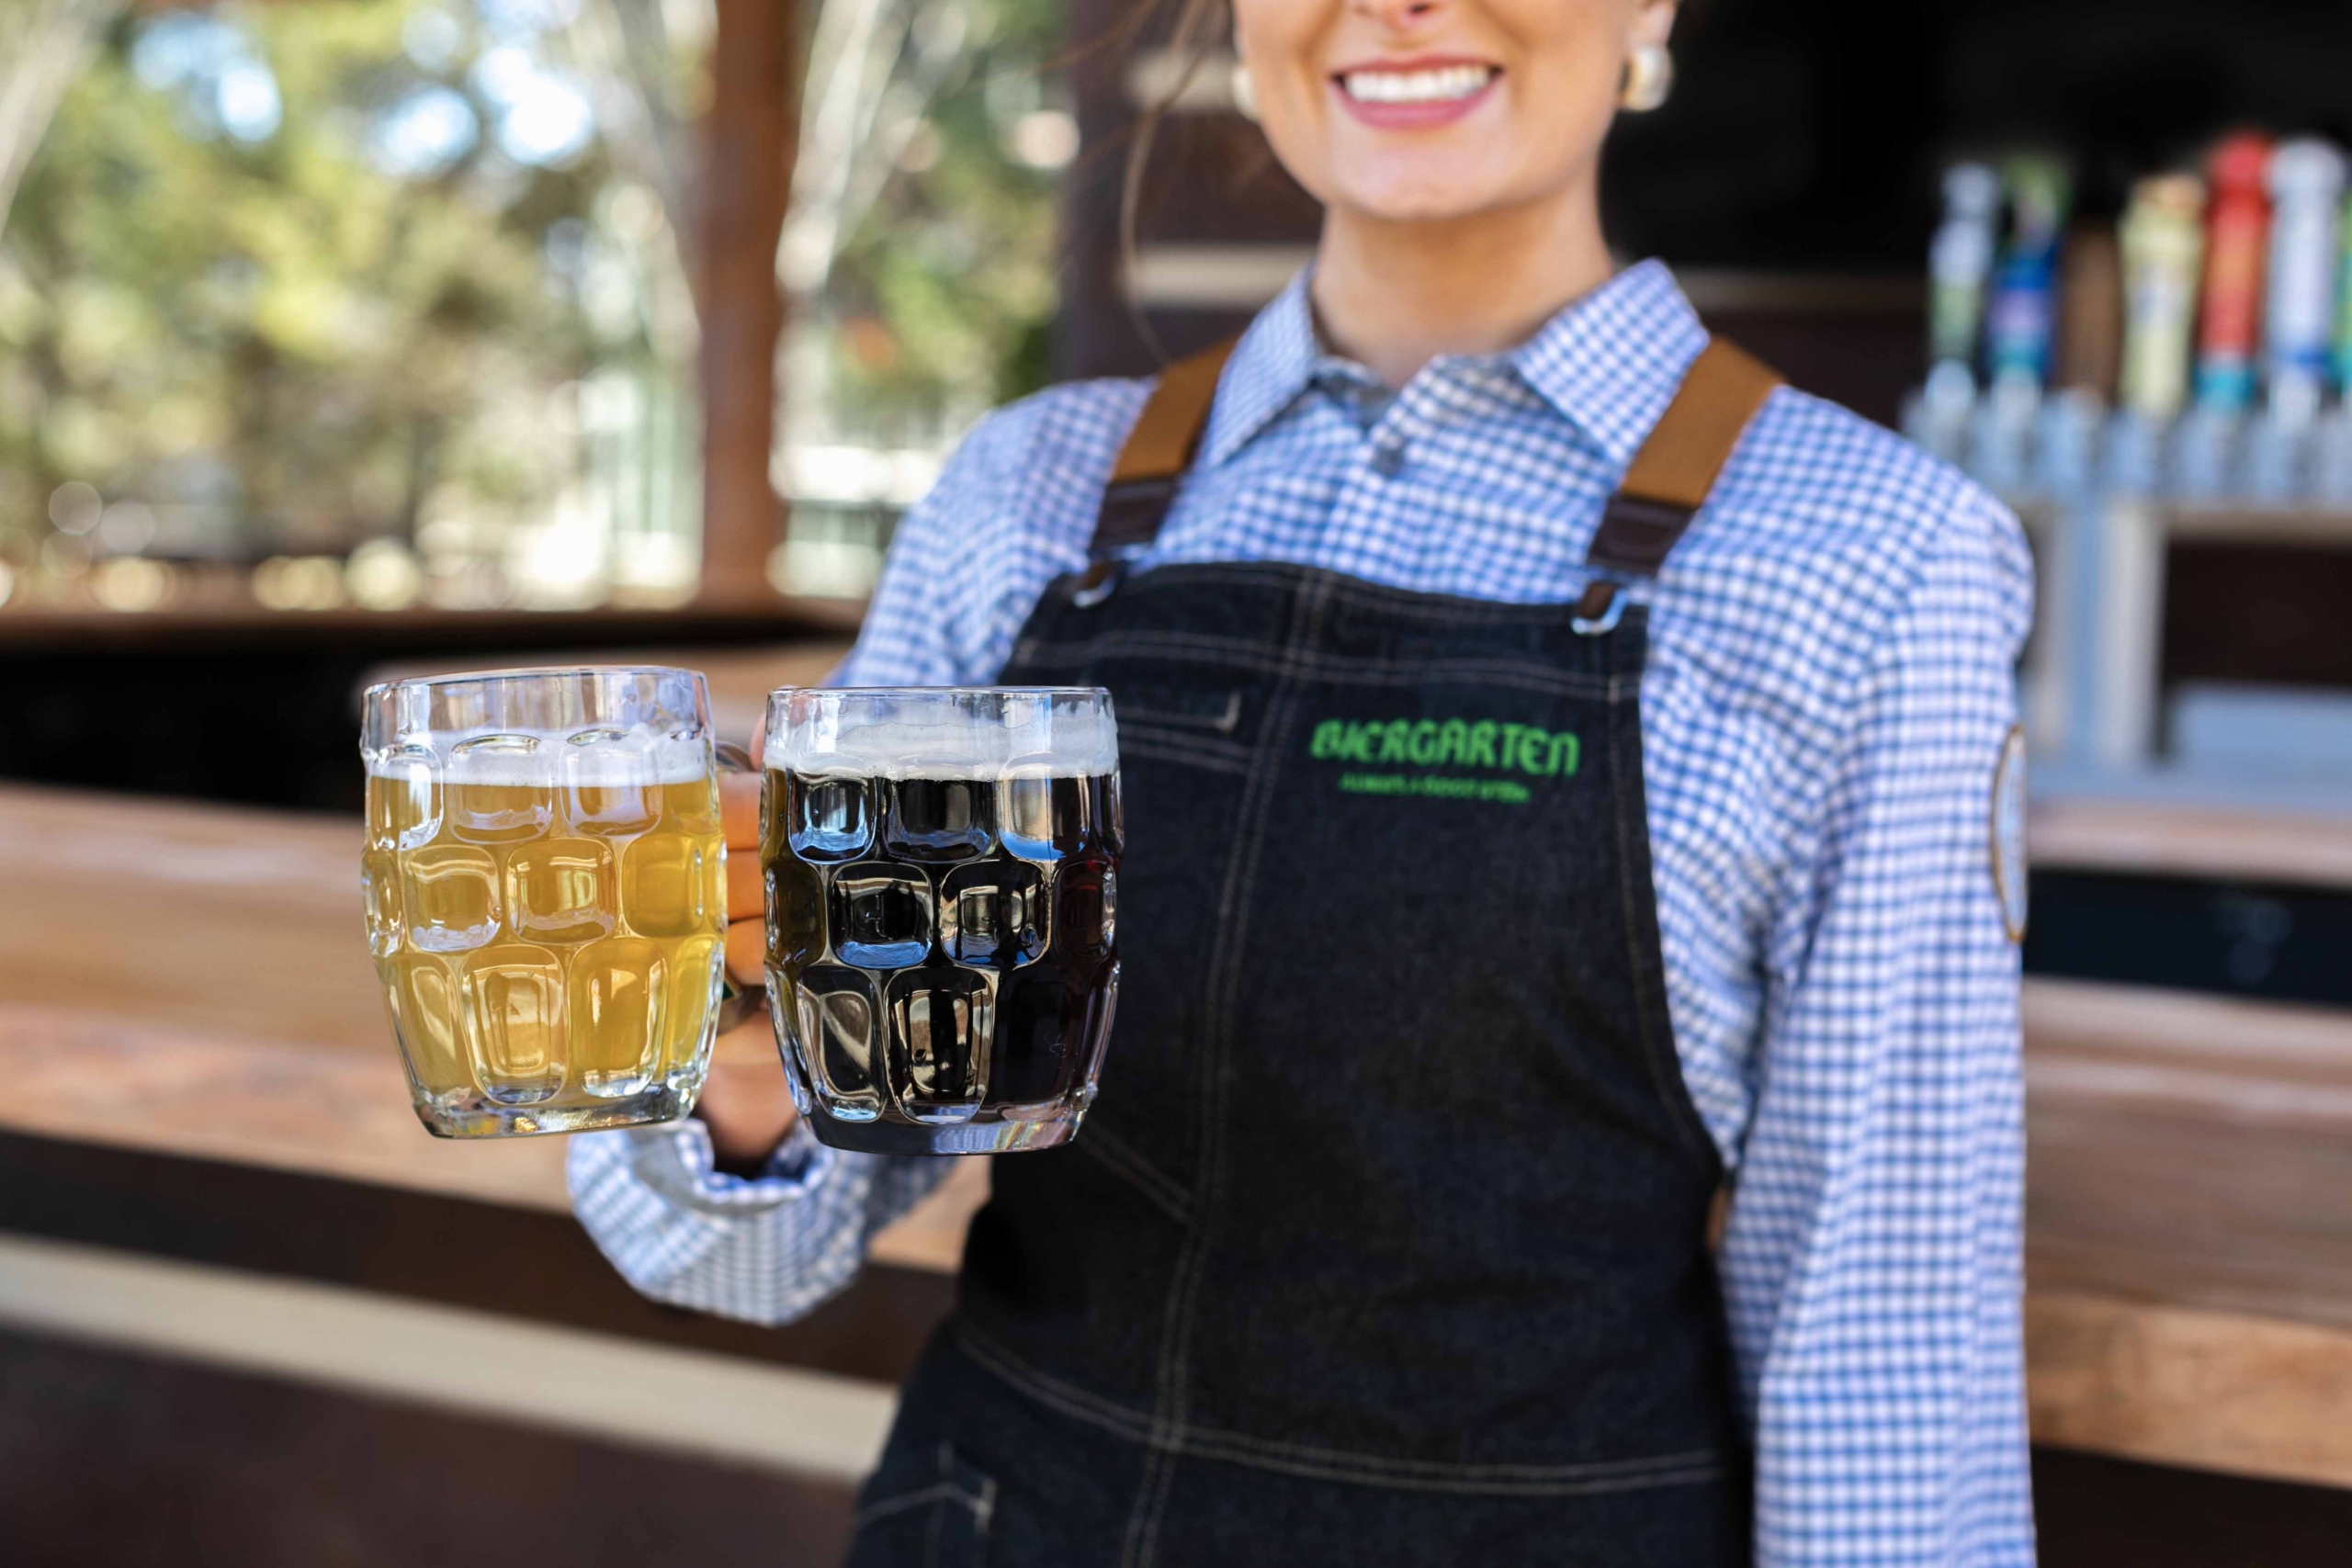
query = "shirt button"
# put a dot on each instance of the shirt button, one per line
(1388, 461)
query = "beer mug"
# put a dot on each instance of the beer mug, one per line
(546, 887)
(941, 876)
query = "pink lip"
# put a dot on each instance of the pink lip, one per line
(1415, 117)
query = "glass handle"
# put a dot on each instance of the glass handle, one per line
(737, 1004)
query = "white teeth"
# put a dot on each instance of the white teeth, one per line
(1442, 85)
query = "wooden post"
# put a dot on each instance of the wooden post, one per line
(749, 140)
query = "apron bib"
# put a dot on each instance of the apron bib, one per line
(1385, 1241)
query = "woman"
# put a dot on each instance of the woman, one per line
(1385, 1242)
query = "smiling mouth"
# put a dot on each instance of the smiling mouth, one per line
(1438, 84)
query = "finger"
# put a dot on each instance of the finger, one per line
(745, 944)
(743, 897)
(749, 1047)
(738, 810)
(745, 1101)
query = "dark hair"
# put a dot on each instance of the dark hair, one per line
(1199, 27)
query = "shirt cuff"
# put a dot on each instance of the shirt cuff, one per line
(674, 1159)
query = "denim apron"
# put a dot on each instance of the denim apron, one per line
(1385, 1241)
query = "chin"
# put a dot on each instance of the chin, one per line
(1425, 196)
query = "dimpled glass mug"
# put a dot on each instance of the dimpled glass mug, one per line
(942, 875)
(546, 893)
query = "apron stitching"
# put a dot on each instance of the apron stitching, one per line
(1636, 890)
(1304, 1459)
(1355, 591)
(984, 1507)
(1194, 641)
(1193, 752)
(1695, 1473)
(1402, 1473)
(1120, 1157)
(937, 1492)
(1307, 605)
(1253, 657)
(1222, 723)
(1394, 673)
(1049, 1390)
(1136, 1550)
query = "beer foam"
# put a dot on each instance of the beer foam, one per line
(1045, 744)
(553, 759)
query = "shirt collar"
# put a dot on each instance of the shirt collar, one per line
(1611, 362)
(1608, 362)
(1273, 364)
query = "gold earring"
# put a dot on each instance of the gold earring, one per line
(1650, 77)
(1245, 93)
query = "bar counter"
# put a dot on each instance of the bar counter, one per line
(207, 1125)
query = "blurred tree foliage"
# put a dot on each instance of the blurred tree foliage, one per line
(941, 293)
(278, 312)
(344, 304)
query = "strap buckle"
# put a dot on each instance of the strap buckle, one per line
(1131, 512)
(1598, 612)
(1636, 534)
(1676, 468)
(1157, 450)
(1100, 581)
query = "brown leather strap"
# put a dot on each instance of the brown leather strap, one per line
(1161, 444)
(1158, 449)
(1662, 491)
(1677, 464)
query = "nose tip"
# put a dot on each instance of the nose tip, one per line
(1399, 13)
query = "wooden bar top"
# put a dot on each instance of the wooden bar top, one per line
(23, 627)
(2298, 846)
(192, 980)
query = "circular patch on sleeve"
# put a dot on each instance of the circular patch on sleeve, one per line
(2008, 833)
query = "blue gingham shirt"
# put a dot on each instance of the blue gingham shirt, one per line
(1828, 691)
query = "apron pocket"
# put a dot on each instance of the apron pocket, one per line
(1178, 707)
(928, 1508)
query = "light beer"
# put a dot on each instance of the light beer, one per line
(545, 911)
(942, 875)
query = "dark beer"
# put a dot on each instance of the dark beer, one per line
(942, 943)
